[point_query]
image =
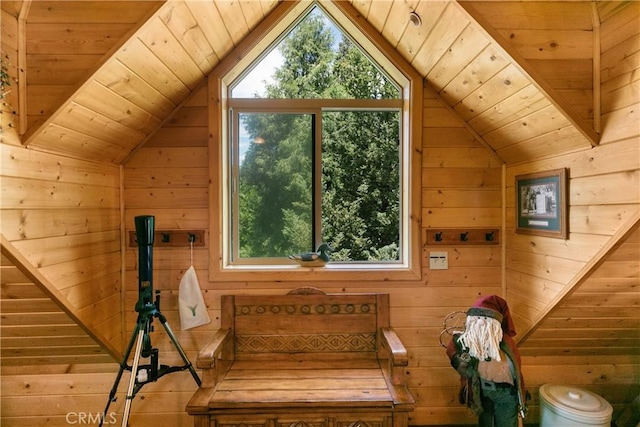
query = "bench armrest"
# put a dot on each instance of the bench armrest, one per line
(394, 360)
(208, 355)
(395, 348)
(216, 358)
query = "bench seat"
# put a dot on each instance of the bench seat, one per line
(303, 361)
(302, 384)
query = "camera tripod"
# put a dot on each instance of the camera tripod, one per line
(147, 310)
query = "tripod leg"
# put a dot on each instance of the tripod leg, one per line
(132, 380)
(176, 344)
(123, 366)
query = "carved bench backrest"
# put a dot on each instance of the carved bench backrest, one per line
(331, 325)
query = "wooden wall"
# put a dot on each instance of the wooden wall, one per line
(60, 60)
(35, 329)
(461, 182)
(70, 227)
(562, 281)
(600, 179)
(63, 215)
(461, 187)
(9, 117)
(591, 339)
(60, 213)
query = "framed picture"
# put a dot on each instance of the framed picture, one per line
(541, 204)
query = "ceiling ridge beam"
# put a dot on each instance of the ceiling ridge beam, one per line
(22, 66)
(616, 240)
(597, 77)
(524, 67)
(32, 273)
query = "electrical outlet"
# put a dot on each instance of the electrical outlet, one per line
(439, 260)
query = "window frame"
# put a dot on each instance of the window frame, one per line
(232, 221)
(315, 107)
(249, 50)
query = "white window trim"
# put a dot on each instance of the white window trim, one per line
(229, 69)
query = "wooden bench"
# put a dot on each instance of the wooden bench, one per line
(305, 359)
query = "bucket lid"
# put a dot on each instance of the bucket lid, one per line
(576, 401)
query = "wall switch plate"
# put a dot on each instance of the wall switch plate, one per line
(439, 260)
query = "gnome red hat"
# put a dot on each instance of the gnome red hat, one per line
(499, 306)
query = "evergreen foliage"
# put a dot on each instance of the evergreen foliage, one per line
(360, 156)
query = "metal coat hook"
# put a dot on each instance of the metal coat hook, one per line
(463, 236)
(174, 238)
(192, 238)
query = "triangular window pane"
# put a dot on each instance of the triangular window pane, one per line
(324, 64)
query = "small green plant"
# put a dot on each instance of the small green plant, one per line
(5, 78)
(7, 113)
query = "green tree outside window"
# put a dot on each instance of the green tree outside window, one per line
(359, 183)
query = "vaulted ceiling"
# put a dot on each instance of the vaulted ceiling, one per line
(97, 81)
(102, 78)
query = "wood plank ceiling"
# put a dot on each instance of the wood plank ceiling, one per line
(114, 100)
(485, 81)
(99, 83)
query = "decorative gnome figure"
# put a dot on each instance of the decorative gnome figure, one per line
(488, 361)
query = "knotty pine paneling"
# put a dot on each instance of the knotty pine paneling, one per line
(598, 362)
(601, 203)
(140, 65)
(66, 42)
(60, 399)
(9, 116)
(603, 180)
(605, 302)
(588, 325)
(454, 193)
(461, 187)
(560, 49)
(37, 331)
(168, 178)
(62, 216)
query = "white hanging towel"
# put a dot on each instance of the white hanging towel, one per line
(193, 311)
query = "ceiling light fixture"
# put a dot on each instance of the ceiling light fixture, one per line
(414, 18)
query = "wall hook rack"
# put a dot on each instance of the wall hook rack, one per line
(462, 236)
(173, 238)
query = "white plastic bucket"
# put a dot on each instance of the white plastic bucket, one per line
(565, 406)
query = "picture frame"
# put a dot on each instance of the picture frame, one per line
(541, 204)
